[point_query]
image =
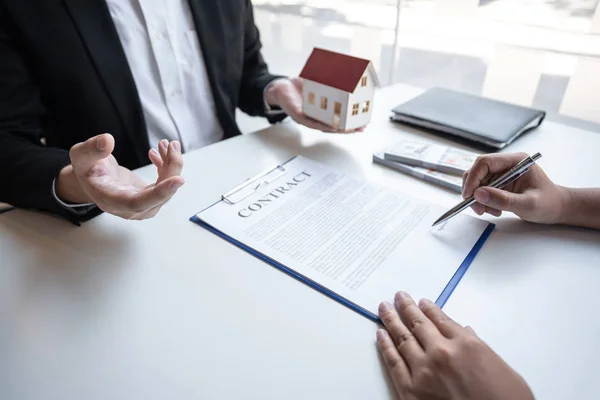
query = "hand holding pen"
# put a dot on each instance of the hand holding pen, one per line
(532, 195)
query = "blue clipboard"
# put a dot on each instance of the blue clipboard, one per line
(441, 300)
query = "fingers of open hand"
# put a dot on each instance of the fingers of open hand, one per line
(150, 213)
(357, 130)
(163, 149)
(313, 124)
(405, 342)
(155, 195)
(444, 324)
(416, 321)
(393, 362)
(155, 157)
(485, 166)
(173, 164)
(167, 159)
(317, 125)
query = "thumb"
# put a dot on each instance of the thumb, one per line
(85, 154)
(503, 200)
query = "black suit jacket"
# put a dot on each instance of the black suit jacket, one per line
(64, 78)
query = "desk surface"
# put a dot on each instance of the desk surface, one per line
(164, 309)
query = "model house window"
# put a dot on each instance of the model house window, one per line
(363, 81)
(311, 98)
(366, 105)
(337, 108)
(355, 109)
(324, 102)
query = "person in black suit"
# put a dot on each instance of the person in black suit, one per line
(160, 77)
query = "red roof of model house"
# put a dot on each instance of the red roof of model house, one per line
(334, 69)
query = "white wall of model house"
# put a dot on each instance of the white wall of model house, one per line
(332, 95)
(361, 95)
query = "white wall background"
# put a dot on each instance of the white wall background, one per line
(447, 43)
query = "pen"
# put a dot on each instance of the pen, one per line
(502, 181)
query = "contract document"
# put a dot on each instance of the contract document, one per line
(352, 240)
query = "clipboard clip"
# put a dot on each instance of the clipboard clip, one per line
(251, 185)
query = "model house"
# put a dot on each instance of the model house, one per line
(338, 89)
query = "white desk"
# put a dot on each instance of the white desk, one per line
(163, 309)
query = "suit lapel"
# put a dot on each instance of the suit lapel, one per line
(94, 23)
(210, 24)
(208, 20)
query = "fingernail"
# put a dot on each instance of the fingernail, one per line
(425, 302)
(154, 151)
(101, 143)
(176, 146)
(482, 196)
(381, 335)
(164, 143)
(401, 296)
(385, 306)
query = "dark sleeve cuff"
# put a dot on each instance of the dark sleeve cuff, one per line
(76, 215)
(78, 212)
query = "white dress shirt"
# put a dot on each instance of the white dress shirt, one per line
(161, 45)
(164, 54)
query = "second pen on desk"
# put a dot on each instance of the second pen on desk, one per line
(502, 181)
